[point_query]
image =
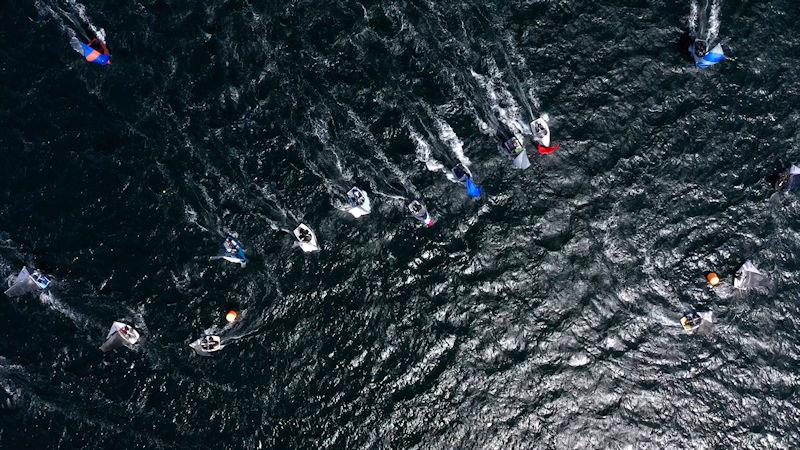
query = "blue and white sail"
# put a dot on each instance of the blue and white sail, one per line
(463, 175)
(233, 251)
(358, 202)
(206, 345)
(120, 334)
(27, 282)
(704, 61)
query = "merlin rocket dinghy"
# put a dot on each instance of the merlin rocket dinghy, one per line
(462, 174)
(517, 153)
(233, 251)
(120, 334)
(358, 202)
(27, 282)
(420, 212)
(693, 320)
(541, 134)
(704, 58)
(306, 238)
(207, 345)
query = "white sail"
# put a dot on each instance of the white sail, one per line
(120, 334)
(522, 161)
(27, 282)
(207, 344)
(306, 238)
(749, 277)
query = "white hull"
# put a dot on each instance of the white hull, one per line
(362, 210)
(544, 138)
(310, 246)
(198, 348)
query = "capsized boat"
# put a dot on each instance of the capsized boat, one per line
(120, 334)
(306, 238)
(358, 202)
(27, 282)
(206, 345)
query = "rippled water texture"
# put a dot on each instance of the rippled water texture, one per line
(544, 315)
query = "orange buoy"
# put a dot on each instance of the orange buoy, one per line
(231, 316)
(713, 278)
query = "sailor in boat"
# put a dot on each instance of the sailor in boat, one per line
(539, 129)
(691, 321)
(305, 235)
(95, 50)
(417, 209)
(40, 279)
(209, 343)
(230, 245)
(705, 57)
(700, 48)
(356, 198)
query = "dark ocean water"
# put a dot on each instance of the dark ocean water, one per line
(545, 315)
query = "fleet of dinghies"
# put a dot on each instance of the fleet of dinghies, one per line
(705, 55)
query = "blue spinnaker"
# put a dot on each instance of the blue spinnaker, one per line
(714, 56)
(473, 190)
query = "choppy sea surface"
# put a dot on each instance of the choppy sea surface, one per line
(543, 315)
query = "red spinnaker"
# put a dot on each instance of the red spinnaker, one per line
(547, 150)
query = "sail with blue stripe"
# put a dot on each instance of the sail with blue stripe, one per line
(714, 56)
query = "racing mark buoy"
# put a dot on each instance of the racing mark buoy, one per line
(713, 278)
(231, 316)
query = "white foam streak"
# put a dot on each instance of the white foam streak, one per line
(449, 137)
(713, 22)
(693, 17)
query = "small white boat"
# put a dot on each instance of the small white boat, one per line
(27, 281)
(306, 238)
(120, 334)
(207, 345)
(420, 212)
(517, 153)
(541, 132)
(358, 202)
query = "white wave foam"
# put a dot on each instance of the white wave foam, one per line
(49, 300)
(450, 138)
(502, 101)
(693, 17)
(424, 152)
(713, 21)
